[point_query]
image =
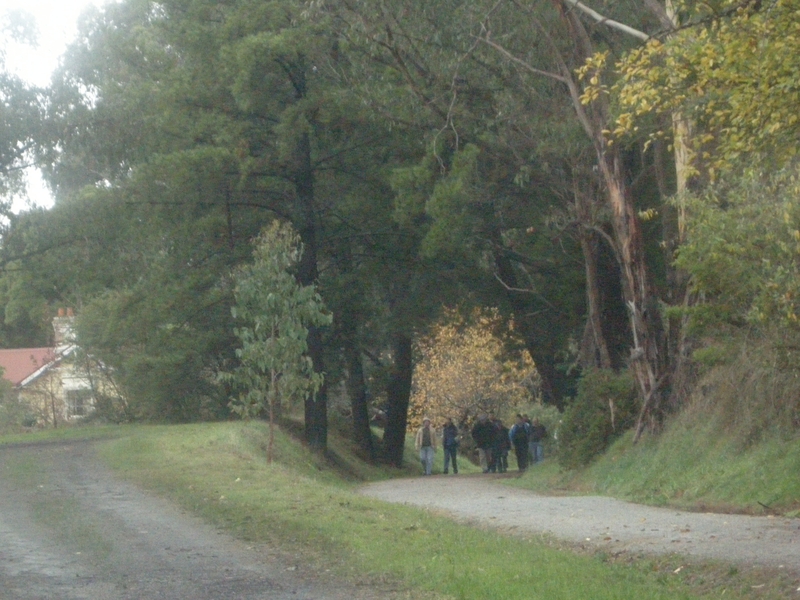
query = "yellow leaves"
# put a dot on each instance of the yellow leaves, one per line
(594, 65)
(464, 368)
(736, 77)
(648, 215)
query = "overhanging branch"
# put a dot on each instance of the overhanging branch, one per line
(606, 21)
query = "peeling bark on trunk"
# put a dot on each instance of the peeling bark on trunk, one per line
(647, 357)
(647, 360)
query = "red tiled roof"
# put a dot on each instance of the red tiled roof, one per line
(20, 363)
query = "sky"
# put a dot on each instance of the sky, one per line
(57, 24)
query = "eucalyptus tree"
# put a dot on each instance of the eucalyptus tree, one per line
(273, 314)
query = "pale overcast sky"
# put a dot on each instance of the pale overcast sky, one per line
(56, 21)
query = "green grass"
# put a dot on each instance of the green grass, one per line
(220, 472)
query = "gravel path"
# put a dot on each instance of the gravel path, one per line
(75, 531)
(602, 522)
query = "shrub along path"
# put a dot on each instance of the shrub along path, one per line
(603, 523)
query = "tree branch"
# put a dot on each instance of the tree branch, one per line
(606, 21)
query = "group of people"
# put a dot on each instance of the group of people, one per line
(493, 439)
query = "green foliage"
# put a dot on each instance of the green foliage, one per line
(21, 109)
(604, 408)
(13, 415)
(755, 393)
(275, 313)
(743, 241)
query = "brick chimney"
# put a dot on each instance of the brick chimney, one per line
(63, 327)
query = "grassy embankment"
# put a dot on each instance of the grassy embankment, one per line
(299, 502)
(703, 460)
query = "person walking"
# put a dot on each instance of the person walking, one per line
(497, 445)
(519, 439)
(483, 434)
(502, 447)
(450, 445)
(538, 433)
(531, 448)
(425, 443)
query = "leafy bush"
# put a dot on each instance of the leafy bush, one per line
(14, 417)
(741, 252)
(603, 409)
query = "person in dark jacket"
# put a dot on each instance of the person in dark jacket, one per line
(450, 445)
(518, 436)
(538, 433)
(502, 446)
(483, 434)
(496, 445)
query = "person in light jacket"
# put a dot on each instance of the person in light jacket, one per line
(425, 443)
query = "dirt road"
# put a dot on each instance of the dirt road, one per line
(603, 522)
(69, 529)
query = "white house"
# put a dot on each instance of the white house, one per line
(53, 384)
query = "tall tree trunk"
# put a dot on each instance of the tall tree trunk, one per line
(357, 390)
(595, 348)
(398, 395)
(648, 360)
(316, 406)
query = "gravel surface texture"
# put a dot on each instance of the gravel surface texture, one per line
(84, 534)
(604, 523)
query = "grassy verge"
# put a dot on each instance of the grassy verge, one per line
(693, 465)
(64, 434)
(219, 471)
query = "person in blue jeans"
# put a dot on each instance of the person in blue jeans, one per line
(450, 445)
(538, 433)
(425, 443)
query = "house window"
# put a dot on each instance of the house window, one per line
(79, 402)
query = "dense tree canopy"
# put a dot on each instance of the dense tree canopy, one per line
(429, 155)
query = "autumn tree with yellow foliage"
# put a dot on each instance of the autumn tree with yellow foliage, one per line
(465, 369)
(732, 70)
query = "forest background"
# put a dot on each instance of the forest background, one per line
(596, 205)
